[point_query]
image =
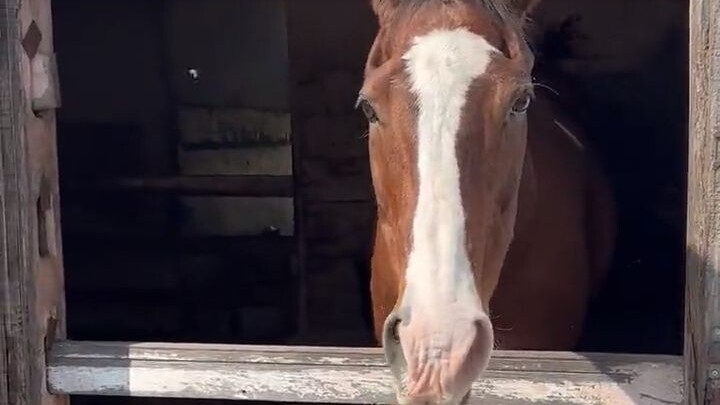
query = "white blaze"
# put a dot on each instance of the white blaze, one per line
(442, 65)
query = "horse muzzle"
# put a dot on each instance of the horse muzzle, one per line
(427, 373)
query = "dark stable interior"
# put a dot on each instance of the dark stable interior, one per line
(228, 88)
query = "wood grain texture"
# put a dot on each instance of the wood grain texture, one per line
(16, 282)
(348, 375)
(47, 310)
(702, 336)
(31, 288)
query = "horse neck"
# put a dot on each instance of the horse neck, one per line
(527, 192)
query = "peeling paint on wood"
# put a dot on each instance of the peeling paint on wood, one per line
(348, 375)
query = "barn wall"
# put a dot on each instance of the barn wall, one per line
(326, 59)
(164, 267)
(232, 115)
(102, 82)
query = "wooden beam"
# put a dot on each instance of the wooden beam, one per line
(16, 322)
(348, 375)
(229, 186)
(31, 287)
(702, 331)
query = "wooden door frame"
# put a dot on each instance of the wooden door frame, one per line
(18, 338)
(32, 304)
(29, 198)
(702, 291)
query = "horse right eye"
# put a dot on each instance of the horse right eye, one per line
(368, 110)
(522, 104)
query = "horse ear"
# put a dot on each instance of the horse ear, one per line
(384, 9)
(516, 45)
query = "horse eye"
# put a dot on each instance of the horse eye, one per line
(522, 104)
(368, 110)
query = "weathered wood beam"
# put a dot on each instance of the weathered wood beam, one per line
(348, 375)
(31, 276)
(702, 297)
(18, 380)
(229, 186)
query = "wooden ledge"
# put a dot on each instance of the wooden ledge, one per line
(348, 375)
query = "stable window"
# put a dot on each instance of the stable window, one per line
(185, 197)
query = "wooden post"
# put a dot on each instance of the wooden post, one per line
(702, 331)
(31, 287)
(15, 345)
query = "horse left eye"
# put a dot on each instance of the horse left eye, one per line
(522, 104)
(368, 110)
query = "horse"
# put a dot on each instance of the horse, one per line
(495, 222)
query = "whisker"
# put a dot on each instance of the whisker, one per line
(538, 84)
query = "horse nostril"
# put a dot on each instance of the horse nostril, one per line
(393, 350)
(391, 332)
(395, 331)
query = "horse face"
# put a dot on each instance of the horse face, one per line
(447, 87)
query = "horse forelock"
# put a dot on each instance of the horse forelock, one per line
(498, 9)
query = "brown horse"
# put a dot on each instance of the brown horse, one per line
(495, 224)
